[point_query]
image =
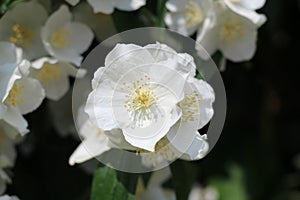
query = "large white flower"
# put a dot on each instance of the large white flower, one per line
(19, 93)
(54, 76)
(148, 93)
(22, 25)
(108, 6)
(187, 16)
(233, 34)
(64, 39)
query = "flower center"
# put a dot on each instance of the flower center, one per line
(15, 96)
(49, 72)
(140, 102)
(231, 31)
(190, 107)
(193, 14)
(59, 38)
(23, 36)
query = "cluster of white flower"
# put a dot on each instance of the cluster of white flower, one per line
(37, 57)
(229, 26)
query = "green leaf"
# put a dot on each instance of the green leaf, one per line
(184, 176)
(233, 187)
(107, 187)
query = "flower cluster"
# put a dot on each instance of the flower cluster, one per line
(146, 99)
(229, 26)
(38, 54)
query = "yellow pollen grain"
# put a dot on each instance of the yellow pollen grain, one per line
(59, 38)
(231, 31)
(190, 107)
(193, 14)
(22, 35)
(49, 72)
(14, 97)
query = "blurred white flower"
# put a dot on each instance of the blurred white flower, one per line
(94, 140)
(199, 193)
(54, 76)
(64, 39)
(233, 34)
(4, 179)
(187, 16)
(6, 197)
(19, 94)
(154, 188)
(145, 91)
(108, 6)
(22, 25)
(102, 24)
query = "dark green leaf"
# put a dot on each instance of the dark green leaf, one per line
(107, 187)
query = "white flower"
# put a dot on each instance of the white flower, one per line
(22, 25)
(154, 189)
(145, 92)
(4, 179)
(64, 39)
(234, 35)
(248, 4)
(108, 6)
(187, 16)
(6, 197)
(199, 193)
(19, 94)
(54, 76)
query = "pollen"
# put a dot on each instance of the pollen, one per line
(190, 107)
(59, 38)
(193, 14)
(231, 31)
(22, 35)
(49, 72)
(14, 97)
(140, 101)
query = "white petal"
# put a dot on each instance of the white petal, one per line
(176, 5)
(129, 5)
(258, 19)
(103, 6)
(90, 147)
(117, 140)
(198, 149)
(14, 118)
(32, 95)
(252, 4)
(73, 2)
(207, 97)
(207, 39)
(243, 48)
(176, 21)
(146, 138)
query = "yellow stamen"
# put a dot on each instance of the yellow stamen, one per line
(231, 31)
(190, 107)
(15, 96)
(59, 38)
(49, 72)
(193, 14)
(23, 36)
